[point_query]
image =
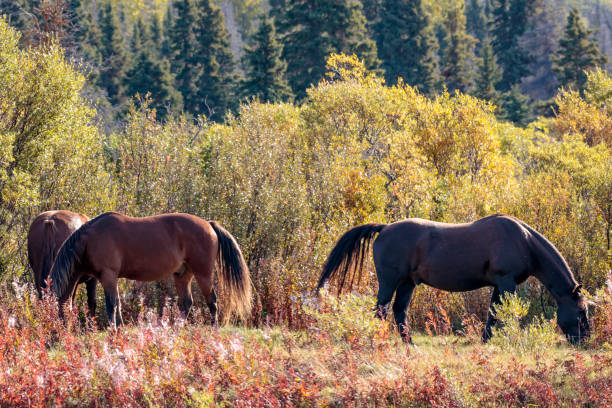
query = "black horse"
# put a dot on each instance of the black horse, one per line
(499, 251)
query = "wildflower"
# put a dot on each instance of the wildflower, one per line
(236, 346)
(218, 346)
(19, 289)
(117, 372)
(12, 322)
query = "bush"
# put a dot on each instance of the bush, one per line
(538, 335)
(601, 329)
(349, 319)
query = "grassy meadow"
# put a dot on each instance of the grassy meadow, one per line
(287, 179)
(343, 357)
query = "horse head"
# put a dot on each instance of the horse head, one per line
(572, 316)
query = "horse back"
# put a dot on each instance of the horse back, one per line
(148, 248)
(455, 256)
(46, 235)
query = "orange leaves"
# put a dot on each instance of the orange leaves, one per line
(576, 116)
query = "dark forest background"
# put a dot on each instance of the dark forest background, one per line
(204, 56)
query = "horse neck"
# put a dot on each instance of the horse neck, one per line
(555, 274)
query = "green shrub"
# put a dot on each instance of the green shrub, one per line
(540, 334)
(347, 319)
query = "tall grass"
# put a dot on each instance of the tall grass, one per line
(344, 357)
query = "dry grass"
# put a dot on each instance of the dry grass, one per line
(165, 361)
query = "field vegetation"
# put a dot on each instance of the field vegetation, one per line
(287, 180)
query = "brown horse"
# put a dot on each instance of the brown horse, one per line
(498, 251)
(113, 246)
(47, 233)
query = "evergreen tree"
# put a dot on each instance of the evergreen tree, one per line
(166, 48)
(114, 59)
(515, 106)
(371, 11)
(19, 15)
(137, 37)
(313, 29)
(150, 73)
(157, 36)
(264, 68)
(184, 49)
(88, 39)
(509, 22)
(488, 74)
(218, 79)
(476, 23)
(577, 52)
(407, 45)
(541, 40)
(277, 9)
(458, 50)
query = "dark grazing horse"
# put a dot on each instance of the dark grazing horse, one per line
(47, 233)
(498, 251)
(113, 246)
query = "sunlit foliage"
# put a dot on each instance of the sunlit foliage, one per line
(50, 150)
(288, 180)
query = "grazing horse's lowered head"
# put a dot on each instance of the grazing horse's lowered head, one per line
(46, 235)
(572, 316)
(113, 246)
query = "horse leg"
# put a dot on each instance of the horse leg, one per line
(502, 288)
(211, 301)
(402, 299)
(491, 320)
(111, 293)
(206, 286)
(385, 294)
(90, 284)
(182, 282)
(73, 295)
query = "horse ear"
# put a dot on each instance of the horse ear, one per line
(576, 292)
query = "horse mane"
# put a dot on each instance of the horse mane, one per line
(554, 253)
(63, 269)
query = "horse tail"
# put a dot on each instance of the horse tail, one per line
(350, 251)
(234, 276)
(48, 251)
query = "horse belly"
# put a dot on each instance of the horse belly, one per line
(453, 272)
(151, 264)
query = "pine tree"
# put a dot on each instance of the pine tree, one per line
(476, 23)
(407, 45)
(264, 68)
(150, 74)
(166, 48)
(458, 50)
(371, 11)
(114, 59)
(488, 75)
(577, 52)
(277, 9)
(88, 38)
(515, 106)
(541, 40)
(509, 22)
(313, 29)
(184, 50)
(347, 29)
(157, 34)
(218, 79)
(19, 15)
